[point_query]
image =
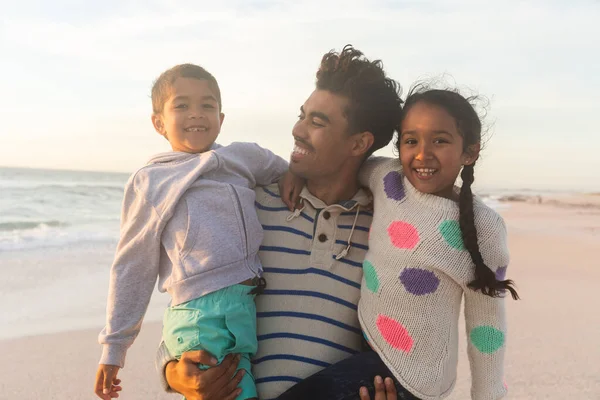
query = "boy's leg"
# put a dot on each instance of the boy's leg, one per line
(247, 384)
(221, 323)
(342, 381)
(241, 323)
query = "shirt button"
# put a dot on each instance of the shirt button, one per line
(322, 237)
(326, 215)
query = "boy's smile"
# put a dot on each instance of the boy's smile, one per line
(191, 118)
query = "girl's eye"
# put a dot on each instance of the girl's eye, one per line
(181, 106)
(440, 141)
(410, 141)
(209, 106)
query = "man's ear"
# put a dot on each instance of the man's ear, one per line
(222, 118)
(471, 154)
(362, 143)
(158, 124)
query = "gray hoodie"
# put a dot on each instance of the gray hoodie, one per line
(188, 220)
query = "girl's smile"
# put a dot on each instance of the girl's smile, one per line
(431, 149)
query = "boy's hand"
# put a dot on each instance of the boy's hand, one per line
(383, 391)
(290, 187)
(107, 385)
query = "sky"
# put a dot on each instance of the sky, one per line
(75, 76)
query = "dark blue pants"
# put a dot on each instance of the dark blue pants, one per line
(343, 380)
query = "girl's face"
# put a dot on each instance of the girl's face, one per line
(431, 150)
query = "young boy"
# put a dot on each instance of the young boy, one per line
(188, 218)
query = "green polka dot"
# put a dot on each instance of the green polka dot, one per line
(487, 339)
(370, 275)
(451, 233)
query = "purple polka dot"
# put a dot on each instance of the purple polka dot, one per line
(419, 281)
(392, 184)
(501, 273)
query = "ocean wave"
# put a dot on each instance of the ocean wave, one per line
(44, 235)
(66, 186)
(27, 225)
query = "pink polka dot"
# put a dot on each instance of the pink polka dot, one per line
(403, 235)
(394, 333)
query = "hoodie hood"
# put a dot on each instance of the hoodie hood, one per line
(170, 156)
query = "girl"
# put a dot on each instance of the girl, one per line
(430, 245)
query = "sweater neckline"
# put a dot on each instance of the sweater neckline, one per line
(429, 200)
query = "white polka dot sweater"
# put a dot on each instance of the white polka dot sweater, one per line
(415, 276)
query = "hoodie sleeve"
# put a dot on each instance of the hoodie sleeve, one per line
(133, 274)
(263, 164)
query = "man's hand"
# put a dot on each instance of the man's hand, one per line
(216, 383)
(107, 385)
(383, 391)
(290, 187)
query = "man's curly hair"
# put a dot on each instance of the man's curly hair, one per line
(374, 99)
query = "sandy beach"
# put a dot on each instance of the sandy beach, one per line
(554, 330)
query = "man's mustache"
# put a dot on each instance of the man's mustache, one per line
(304, 142)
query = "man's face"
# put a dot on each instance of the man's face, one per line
(322, 143)
(190, 119)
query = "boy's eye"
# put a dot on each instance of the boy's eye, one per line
(209, 106)
(410, 141)
(180, 105)
(440, 141)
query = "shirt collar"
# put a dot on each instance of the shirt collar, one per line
(360, 198)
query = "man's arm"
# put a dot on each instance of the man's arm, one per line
(184, 376)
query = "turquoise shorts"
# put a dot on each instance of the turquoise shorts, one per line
(222, 322)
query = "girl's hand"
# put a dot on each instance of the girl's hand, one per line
(107, 385)
(383, 391)
(290, 187)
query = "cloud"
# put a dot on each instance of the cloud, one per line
(72, 67)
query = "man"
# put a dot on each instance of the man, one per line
(312, 257)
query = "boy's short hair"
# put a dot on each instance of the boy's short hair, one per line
(374, 99)
(162, 86)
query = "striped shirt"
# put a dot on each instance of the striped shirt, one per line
(307, 316)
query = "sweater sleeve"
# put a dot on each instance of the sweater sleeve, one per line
(372, 169)
(132, 276)
(485, 319)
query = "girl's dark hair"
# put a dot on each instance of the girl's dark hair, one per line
(374, 99)
(469, 126)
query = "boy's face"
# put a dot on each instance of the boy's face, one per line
(191, 119)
